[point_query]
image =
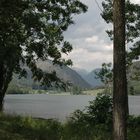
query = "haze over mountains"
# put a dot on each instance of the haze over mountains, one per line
(78, 77)
(89, 77)
(63, 72)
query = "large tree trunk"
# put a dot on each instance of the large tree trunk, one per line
(119, 81)
(5, 78)
(1, 86)
(1, 101)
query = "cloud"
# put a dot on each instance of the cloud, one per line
(84, 59)
(91, 44)
(92, 39)
(135, 1)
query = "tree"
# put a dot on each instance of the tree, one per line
(105, 75)
(119, 72)
(132, 26)
(132, 17)
(30, 31)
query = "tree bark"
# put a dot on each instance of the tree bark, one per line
(119, 70)
(5, 78)
(1, 87)
(1, 101)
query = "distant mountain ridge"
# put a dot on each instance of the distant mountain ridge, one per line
(63, 72)
(89, 77)
(92, 80)
(76, 76)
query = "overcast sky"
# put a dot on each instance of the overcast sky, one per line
(91, 45)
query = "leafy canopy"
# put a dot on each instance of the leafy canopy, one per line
(132, 15)
(31, 31)
(105, 74)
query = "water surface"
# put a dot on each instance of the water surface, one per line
(55, 106)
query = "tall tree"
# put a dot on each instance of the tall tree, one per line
(132, 25)
(119, 72)
(132, 17)
(32, 30)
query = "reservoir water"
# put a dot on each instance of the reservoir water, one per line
(55, 106)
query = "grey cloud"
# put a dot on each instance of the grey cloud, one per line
(90, 55)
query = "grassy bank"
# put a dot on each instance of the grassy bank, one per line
(93, 123)
(28, 90)
(27, 128)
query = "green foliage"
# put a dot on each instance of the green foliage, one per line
(18, 89)
(84, 131)
(78, 127)
(75, 90)
(92, 123)
(100, 110)
(136, 87)
(106, 76)
(134, 78)
(133, 128)
(13, 89)
(132, 25)
(135, 71)
(32, 30)
(27, 128)
(131, 90)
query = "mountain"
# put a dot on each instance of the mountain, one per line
(63, 72)
(81, 72)
(89, 77)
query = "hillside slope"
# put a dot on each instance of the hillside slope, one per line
(89, 77)
(65, 73)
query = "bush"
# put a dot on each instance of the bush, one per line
(76, 90)
(100, 110)
(88, 124)
(134, 128)
(131, 90)
(18, 90)
(93, 123)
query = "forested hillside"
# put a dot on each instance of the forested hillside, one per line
(63, 72)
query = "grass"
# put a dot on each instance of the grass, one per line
(27, 90)
(136, 85)
(93, 91)
(15, 89)
(27, 128)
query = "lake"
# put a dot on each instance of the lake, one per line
(55, 106)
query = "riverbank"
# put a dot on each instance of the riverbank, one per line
(94, 122)
(21, 91)
(27, 128)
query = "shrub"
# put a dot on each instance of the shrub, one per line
(131, 90)
(134, 128)
(93, 123)
(100, 110)
(76, 90)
